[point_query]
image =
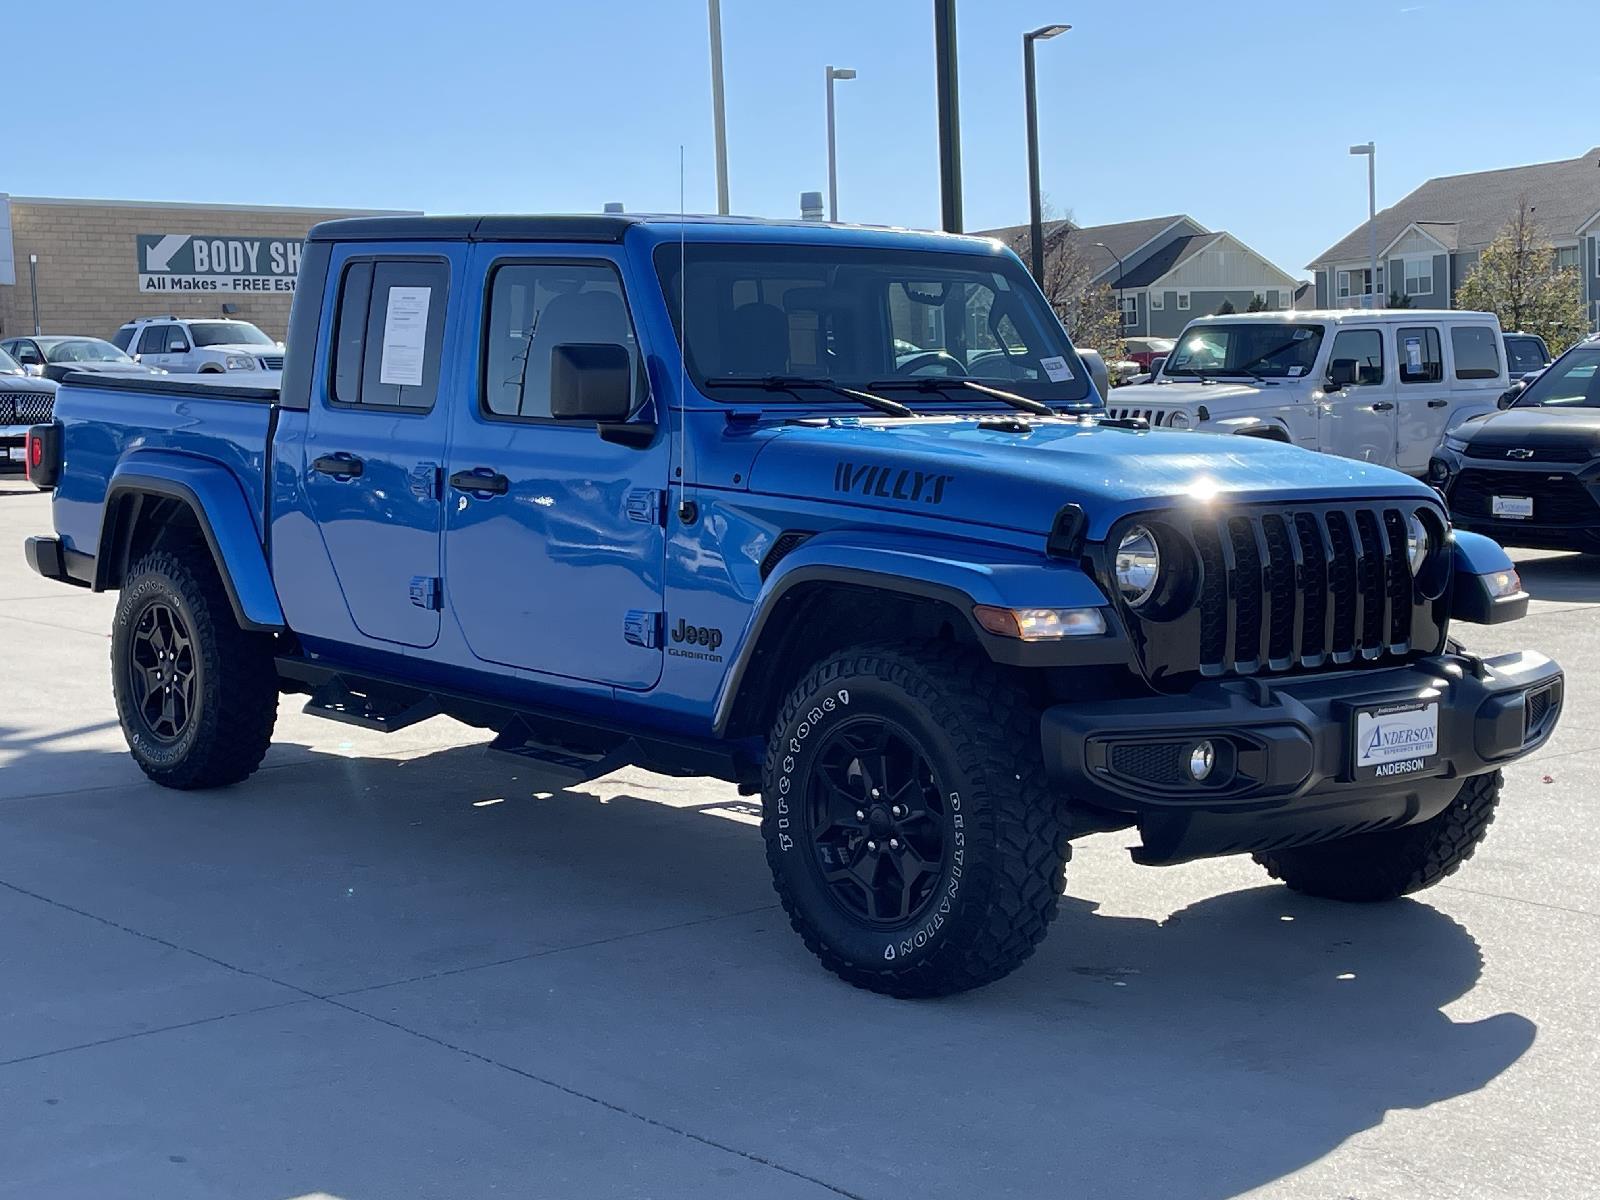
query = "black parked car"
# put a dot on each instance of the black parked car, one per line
(24, 401)
(1530, 475)
(57, 357)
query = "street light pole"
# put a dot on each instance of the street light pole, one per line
(33, 287)
(948, 98)
(833, 160)
(719, 116)
(1122, 317)
(1035, 197)
(1370, 150)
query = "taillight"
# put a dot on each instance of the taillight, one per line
(35, 450)
(43, 455)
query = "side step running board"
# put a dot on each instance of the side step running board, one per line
(370, 709)
(565, 764)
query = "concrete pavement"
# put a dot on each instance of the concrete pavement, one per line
(391, 967)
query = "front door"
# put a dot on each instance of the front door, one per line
(554, 537)
(1359, 421)
(375, 433)
(1424, 392)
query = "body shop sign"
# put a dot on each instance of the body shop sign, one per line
(187, 262)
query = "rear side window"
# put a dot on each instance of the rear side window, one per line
(1363, 347)
(154, 339)
(389, 333)
(535, 307)
(1421, 357)
(1523, 354)
(1477, 352)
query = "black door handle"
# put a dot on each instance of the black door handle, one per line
(1382, 406)
(341, 465)
(1437, 403)
(481, 480)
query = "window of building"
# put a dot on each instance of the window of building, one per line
(1477, 351)
(1363, 348)
(1419, 276)
(1421, 356)
(1357, 282)
(1183, 301)
(1130, 312)
(535, 307)
(389, 333)
(1569, 257)
(1158, 300)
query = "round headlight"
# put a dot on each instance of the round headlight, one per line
(1138, 565)
(1417, 543)
(1178, 420)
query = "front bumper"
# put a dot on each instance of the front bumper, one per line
(1285, 752)
(1565, 499)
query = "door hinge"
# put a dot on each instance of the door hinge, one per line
(648, 506)
(426, 591)
(642, 628)
(427, 481)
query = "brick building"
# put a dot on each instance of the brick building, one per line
(103, 262)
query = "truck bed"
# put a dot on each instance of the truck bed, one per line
(105, 420)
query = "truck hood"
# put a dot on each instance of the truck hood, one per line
(28, 384)
(240, 348)
(1018, 475)
(1187, 395)
(1533, 429)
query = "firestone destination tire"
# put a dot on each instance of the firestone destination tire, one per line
(1397, 862)
(911, 834)
(197, 696)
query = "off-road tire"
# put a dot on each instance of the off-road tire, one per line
(1005, 840)
(235, 687)
(1385, 866)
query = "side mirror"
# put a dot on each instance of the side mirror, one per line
(1341, 374)
(1509, 396)
(591, 381)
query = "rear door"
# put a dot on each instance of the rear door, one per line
(150, 346)
(555, 538)
(1423, 393)
(375, 432)
(1359, 421)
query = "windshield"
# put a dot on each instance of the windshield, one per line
(227, 333)
(1574, 382)
(9, 365)
(1267, 350)
(860, 316)
(81, 350)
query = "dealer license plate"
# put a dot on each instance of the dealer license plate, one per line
(1395, 739)
(1519, 507)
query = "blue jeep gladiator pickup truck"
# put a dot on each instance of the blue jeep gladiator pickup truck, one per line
(832, 513)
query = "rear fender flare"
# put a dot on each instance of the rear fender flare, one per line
(223, 514)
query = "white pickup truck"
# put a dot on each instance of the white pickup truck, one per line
(1379, 385)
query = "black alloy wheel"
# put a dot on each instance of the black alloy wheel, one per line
(163, 673)
(877, 822)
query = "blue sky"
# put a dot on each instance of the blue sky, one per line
(1237, 113)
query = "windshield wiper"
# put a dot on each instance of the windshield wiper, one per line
(793, 383)
(938, 383)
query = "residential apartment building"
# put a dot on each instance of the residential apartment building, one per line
(1429, 241)
(1167, 270)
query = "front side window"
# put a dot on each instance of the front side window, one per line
(177, 341)
(1363, 349)
(1421, 360)
(1477, 352)
(1573, 382)
(1419, 276)
(1524, 354)
(9, 365)
(28, 354)
(1257, 349)
(389, 333)
(535, 307)
(154, 339)
(865, 317)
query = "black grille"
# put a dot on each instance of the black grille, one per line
(1502, 452)
(1288, 590)
(1150, 762)
(26, 408)
(1540, 712)
(1154, 416)
(1557, 499)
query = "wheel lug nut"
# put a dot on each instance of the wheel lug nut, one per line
(874, 793)
(894, 843)
(860, 816)
(872, 845)
(898, 810)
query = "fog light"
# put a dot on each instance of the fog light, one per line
(1438, 471)
(1202, 757)
(1040, 624)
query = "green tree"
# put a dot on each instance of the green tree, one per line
(1258, 303)
(1398, 300)
(1088, 310)
(1517, 279)
(1226, 309)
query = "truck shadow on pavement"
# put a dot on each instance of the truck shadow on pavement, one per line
(1574, 578)
(629, 949)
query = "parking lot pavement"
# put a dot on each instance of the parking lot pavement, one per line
(392, 967)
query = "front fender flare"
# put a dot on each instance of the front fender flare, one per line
(959, 573)
(1257, 427)
(213, 495)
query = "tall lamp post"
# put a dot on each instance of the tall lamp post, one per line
(833, 161)
(1035, 198)
(719, 115)
(1122, 317)
(33, 288)
(1370, 152)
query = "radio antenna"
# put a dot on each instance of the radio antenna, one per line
(685, 513)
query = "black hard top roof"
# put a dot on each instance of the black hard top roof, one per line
(579, 228)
